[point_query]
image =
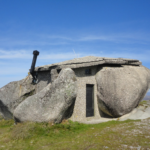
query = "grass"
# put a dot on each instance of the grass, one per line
(143, 102)
(73, 135)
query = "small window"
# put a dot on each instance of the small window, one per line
(88, 71)
(58, 71)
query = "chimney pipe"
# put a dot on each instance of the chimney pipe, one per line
(32, 72)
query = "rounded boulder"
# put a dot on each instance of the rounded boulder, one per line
(121, 88)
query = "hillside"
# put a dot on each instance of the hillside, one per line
(72, 135)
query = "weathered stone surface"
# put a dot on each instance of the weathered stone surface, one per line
(54, 75)
(87, 62)
(12, 94)
(44, 78)
(120, 89)
(53, 103)
(1, 117)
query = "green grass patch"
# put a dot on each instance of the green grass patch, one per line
(6, 123)
(70, 135)
(143, 102)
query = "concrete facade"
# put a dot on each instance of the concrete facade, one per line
(48, 73)
(79, 112)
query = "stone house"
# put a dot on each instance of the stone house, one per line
(85, 68)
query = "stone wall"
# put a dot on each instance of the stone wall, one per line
(44, 78)
(79, 113)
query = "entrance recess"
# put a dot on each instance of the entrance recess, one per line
(89, 100)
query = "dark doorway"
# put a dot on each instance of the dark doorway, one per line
(89, 100)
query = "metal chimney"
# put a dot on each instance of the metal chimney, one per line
(32, 72)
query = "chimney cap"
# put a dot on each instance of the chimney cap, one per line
(35, 52)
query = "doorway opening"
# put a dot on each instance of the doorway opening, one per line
(89, 100)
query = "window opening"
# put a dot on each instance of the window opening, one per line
(88, 71)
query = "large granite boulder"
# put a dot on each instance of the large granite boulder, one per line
(53, 103)
(12, 94)
(120, 89)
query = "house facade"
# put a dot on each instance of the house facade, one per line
(85, 107)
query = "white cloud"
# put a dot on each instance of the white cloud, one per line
(22, 54)
(111, 37)
(93, 38)
(54, 40)
(13, 54)
(61, 56)
(55, 37)
(119, 38)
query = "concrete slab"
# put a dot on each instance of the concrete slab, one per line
(139, 113)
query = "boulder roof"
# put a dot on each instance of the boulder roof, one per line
(88, 61)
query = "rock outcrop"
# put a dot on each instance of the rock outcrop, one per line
(53, 103)
(120, 89)
(12, 94)
(121, 85)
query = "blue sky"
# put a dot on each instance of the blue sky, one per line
(66, 29)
